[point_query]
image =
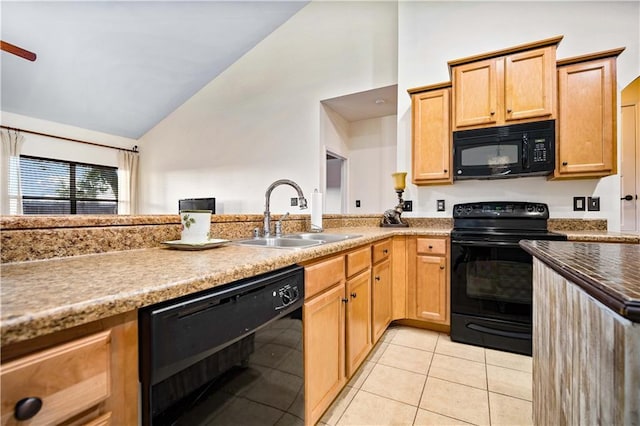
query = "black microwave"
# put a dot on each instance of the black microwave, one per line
(503, 152)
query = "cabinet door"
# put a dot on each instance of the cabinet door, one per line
(324, 351)
(586, 122)
(529, 79)
(429, 299)
(381, 298)
(358, 320)
(431, 139)
(475, 91)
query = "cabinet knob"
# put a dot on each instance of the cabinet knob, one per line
(385, 251)
(509, 110)
(430, 247)
(26, 408)
(377, 277)
(445, 170)
(353, 295)
(345, 300)
(564, 163)
(492, 113)
(441, 266)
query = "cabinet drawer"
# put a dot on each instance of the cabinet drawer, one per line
(381, 251)
(432, 245)
(69, 379)
(358, 260)
(320, 276)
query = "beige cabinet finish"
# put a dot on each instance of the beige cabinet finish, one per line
(431, 135)
(337, 325)
(358, 320)
(381, 299)
(428, 275)
(83, 375)
(324, 351)
(498, 91)
(586, 145)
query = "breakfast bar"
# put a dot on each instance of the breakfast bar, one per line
(586, 339)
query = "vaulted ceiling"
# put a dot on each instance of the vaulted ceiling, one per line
(120, 67)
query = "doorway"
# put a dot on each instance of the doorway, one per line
(630, 158)
(336, 182)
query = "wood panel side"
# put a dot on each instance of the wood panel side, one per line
(586, 363)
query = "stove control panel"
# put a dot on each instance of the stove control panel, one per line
(506, 209)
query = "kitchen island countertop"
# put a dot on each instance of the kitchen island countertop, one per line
(608, 272)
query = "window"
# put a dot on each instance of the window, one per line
(65, 187)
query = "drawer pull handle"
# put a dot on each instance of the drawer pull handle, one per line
(430, 247)
(26, 408)
(353, 295)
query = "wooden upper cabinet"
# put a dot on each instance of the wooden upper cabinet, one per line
(586, 141)
(503, 87)
(431, 135)
(529, 84)
(476, 93)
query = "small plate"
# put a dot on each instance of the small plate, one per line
(214, 242)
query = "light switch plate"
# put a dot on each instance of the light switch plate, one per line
(593, 204)
(578, 204)
(440, 205)
(408, 206)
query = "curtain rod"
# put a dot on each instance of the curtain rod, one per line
(135, 147)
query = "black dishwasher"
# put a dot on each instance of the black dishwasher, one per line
(229, 355)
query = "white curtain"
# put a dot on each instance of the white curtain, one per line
(128, 182)
(11, 197)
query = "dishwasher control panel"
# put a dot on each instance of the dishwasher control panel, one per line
(286, 295)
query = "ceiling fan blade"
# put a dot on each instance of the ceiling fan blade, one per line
(8, 47)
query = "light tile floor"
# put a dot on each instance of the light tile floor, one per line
(421, 377)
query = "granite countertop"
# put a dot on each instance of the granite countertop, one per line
(608, 272)
(44, 296)
(601, 236)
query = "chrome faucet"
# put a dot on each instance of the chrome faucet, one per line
(267, 214)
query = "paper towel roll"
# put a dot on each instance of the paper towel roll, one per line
(316, 211)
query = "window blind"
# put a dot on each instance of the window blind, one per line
(66, 187)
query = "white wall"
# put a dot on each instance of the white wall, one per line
(48, 147)
(372, 160)
(260, 119)
(432, 33)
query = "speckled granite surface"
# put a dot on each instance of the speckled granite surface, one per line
(44, 296)
(608, 272)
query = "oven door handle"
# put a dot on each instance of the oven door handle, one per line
(486, 243)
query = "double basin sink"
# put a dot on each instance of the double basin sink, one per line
(297, 241)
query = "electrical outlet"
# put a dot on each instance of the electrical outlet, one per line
(578, 204)
(294, 201)
(408, 206)
(357, 203)
(440, 205)
(593, 204)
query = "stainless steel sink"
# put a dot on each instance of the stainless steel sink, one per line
(297, 241)
(279, 242)
(323, 237)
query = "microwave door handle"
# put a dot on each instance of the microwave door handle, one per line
(525, 152)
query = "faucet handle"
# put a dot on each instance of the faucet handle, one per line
(256, 232)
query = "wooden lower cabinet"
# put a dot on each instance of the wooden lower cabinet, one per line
(324, 351)
(428, 280)
(87, 375)
(358, 321)
(381, 289)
